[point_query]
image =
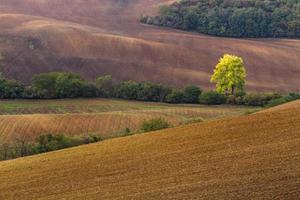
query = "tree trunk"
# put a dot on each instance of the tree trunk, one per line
(233, 90)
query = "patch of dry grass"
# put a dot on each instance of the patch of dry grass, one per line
(108, 118)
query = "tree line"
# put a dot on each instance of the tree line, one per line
(232, 18)
(55, 85)
(229, 76)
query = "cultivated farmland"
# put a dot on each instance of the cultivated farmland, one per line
(108, 118)
(250, 157)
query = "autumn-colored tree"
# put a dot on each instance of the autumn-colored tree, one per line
(229, 74)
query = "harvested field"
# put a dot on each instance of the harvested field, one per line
(108, 118)
(250, 157)
(81, 106)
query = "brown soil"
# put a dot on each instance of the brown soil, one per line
(250, 157)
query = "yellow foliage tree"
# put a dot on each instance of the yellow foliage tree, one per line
(229, 74)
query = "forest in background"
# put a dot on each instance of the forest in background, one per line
(232, 18)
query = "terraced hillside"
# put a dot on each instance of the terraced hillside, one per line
(108, 118)
(249, 157)
(96, 37)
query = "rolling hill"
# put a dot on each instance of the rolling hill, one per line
(96, 37)
(250, 157)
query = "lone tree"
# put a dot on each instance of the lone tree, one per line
(229, 75)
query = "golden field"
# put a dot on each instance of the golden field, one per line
(105, 117)
(97, 37)
(249, 157)
(209, 152)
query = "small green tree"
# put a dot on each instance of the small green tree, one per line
(43, 85)
(128, 90)
(191, 94)
(50, 142)
(10, 89)
(175, 97)
(229, 75)
(69, 85)
(212, 98)
(105, 85)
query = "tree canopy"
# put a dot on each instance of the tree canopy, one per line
(59, 85)
(229, 74)
(105, 85)
(232, 18)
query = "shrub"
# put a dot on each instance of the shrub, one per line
(89, 90)
(154, 124)
(152, 92)
(105, 85)
(191, 121)
(127, 132)
(235, 100)
(5, 150)
(43, 85)
(254, 99)
(49, 142)
(145, 91)
(231, 99)
(92, 138)
(69, 85)
(282, 100)
(294, 96)
(276, 102)
(164, 92)
(10, 89)
(191, 94)
(127, 90)
(175, 97)
(260, 99)
(212, 98)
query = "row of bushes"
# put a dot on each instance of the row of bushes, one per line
(262, 99)
(250, 99)
(283, 99)
(70, 85)
(146, 91)
(21, 146)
